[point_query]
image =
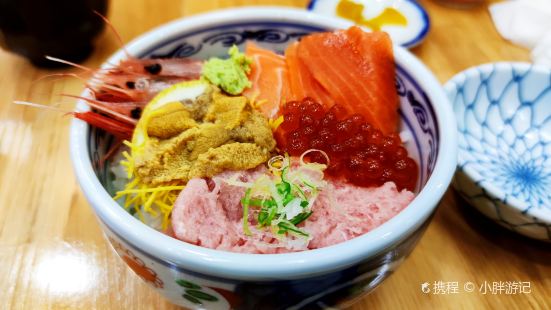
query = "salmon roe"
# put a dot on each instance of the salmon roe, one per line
(358, 152)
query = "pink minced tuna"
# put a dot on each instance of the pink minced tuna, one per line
(210, 214)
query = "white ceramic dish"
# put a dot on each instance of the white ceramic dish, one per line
(503, 115)
(327, 276)
(409, 35)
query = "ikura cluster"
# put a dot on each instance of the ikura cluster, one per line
(358, 152)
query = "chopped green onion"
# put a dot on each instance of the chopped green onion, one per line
(301, 218)
(261, 202)
(284, 199)
(311, 186)
(273, 212)
(299, 191)
(262, 217)
(288, 226)
(301, 159)
(276, 159)
(288, 199)
(267, 214)
(284, 173)
(283, 187)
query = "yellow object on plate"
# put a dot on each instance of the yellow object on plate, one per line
(181, 92)
(406, 21)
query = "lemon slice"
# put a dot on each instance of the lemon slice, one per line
(184, 91)
(156, 201)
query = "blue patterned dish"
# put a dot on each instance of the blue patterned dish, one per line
(198, 278)
(409, 35)
(503, 115)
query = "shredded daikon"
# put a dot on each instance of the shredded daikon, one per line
(282, 199)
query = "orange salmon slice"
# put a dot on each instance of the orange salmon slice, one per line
(268, 76)
(357, 70)
(301, 81)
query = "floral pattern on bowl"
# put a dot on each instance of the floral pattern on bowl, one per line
(503, 115)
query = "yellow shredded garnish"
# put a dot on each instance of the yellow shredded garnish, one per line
(141, 197)
(258, 103)
(137, 195)
(274, 123)
(254, 102)
(253, 96)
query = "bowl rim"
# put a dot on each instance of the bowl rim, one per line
(270, 266)
(473, 174)
(419, 37)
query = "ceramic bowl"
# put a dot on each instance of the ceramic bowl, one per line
(196, 277)
(503, 113)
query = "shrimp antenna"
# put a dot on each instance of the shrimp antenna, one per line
(41, 106)
(59, 76)
(101, 106)
(66, 62)
(112, 151)
(114, 30)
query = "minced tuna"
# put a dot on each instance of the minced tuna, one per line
(209, 214)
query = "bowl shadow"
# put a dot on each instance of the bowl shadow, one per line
(514, 243)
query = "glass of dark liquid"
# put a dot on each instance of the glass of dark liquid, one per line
(59, 28)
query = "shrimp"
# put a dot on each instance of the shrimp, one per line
(169, 67)
(117, 124)
(117, 128)
(135, 79)
(120, 86)
(119, 92)
(131, 80)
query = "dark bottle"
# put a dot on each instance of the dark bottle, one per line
(60, 28)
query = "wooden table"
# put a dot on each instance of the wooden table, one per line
(53, 255)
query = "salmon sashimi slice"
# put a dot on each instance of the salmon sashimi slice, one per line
(295, 77)
(301, 81)
(376, 49)
(357, 70)
(270, 87)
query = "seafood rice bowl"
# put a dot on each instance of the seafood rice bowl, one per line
(232, 163)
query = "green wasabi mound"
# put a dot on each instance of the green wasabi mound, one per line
(229, 74)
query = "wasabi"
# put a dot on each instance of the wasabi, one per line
(229, 74)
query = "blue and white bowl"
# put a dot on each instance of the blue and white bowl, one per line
(409, 35)
(503, 113)
(199, 278)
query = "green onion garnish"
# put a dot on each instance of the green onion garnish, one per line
(288, 226)
(283, 200)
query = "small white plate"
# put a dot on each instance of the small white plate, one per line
(408, 36)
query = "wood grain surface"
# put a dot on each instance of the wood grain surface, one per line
(53, 255)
